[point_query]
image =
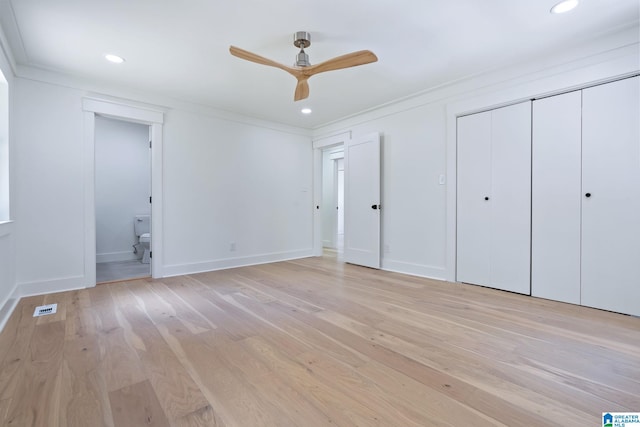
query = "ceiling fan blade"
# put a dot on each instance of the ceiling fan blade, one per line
(249, 56)
(353, 59)
(302, 89)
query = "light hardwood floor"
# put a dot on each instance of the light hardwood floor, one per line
(313, 342)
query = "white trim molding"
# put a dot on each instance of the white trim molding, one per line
(222, 264)
(154, 118)
(412, 269)
(49, 286)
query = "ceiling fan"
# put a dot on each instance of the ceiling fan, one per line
(302, 69)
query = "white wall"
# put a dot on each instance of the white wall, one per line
(224, 181)
(8, 299)
(49, 186)
(413, 215)
(419, 144)
(231, 184)
(123, 185)
(4, 148)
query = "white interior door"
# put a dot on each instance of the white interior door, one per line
(611, 196)
(474, 191)
(556, 197)
(510, 225)
(362, 201)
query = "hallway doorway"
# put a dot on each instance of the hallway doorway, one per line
(123, 196)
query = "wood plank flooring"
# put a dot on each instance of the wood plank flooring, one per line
(313, 342)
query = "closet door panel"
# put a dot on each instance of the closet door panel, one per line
(556, 197)
(611, 215)
(510, 198)
(473, 212)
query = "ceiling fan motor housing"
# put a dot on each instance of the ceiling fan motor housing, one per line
(301, 39)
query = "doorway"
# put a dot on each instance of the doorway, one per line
(340, 204)
(123, 203)
(362, 194)
(333, 200)
(153, 119)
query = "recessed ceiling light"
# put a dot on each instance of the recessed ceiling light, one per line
(114, 58)
(564, 6)
(306, 111)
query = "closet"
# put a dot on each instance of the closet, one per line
(494, 198)
(586, 197)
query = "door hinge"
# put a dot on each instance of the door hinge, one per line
(149, 199)
(150, 254)
(149, 144)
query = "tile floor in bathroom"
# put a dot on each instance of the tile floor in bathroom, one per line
(121, 270)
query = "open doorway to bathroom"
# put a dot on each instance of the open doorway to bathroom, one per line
(333, 200)
(123, 203)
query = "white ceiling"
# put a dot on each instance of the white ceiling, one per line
(180, 48)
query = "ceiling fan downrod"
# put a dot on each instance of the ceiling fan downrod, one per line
(302, 39)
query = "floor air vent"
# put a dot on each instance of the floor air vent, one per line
(43, 310)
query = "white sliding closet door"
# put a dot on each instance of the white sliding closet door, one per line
(556, 197)
(494, 198)
(474, 212)
(611, 196)
(511, 198)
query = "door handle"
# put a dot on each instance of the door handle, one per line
(587, 195)
(375, 206)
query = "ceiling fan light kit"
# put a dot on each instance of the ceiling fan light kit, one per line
(303, 70)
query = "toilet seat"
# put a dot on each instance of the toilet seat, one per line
(145, 238)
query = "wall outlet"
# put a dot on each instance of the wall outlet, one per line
(232, 246)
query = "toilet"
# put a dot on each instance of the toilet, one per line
(142, 228)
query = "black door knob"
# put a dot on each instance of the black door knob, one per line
(486, 198)
(587, 195)
(374, 206)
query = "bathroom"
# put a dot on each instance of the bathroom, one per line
(123, 203)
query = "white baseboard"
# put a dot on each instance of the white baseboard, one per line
(116, 256)
(51, 286)
(420, 270)
(221, 264)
